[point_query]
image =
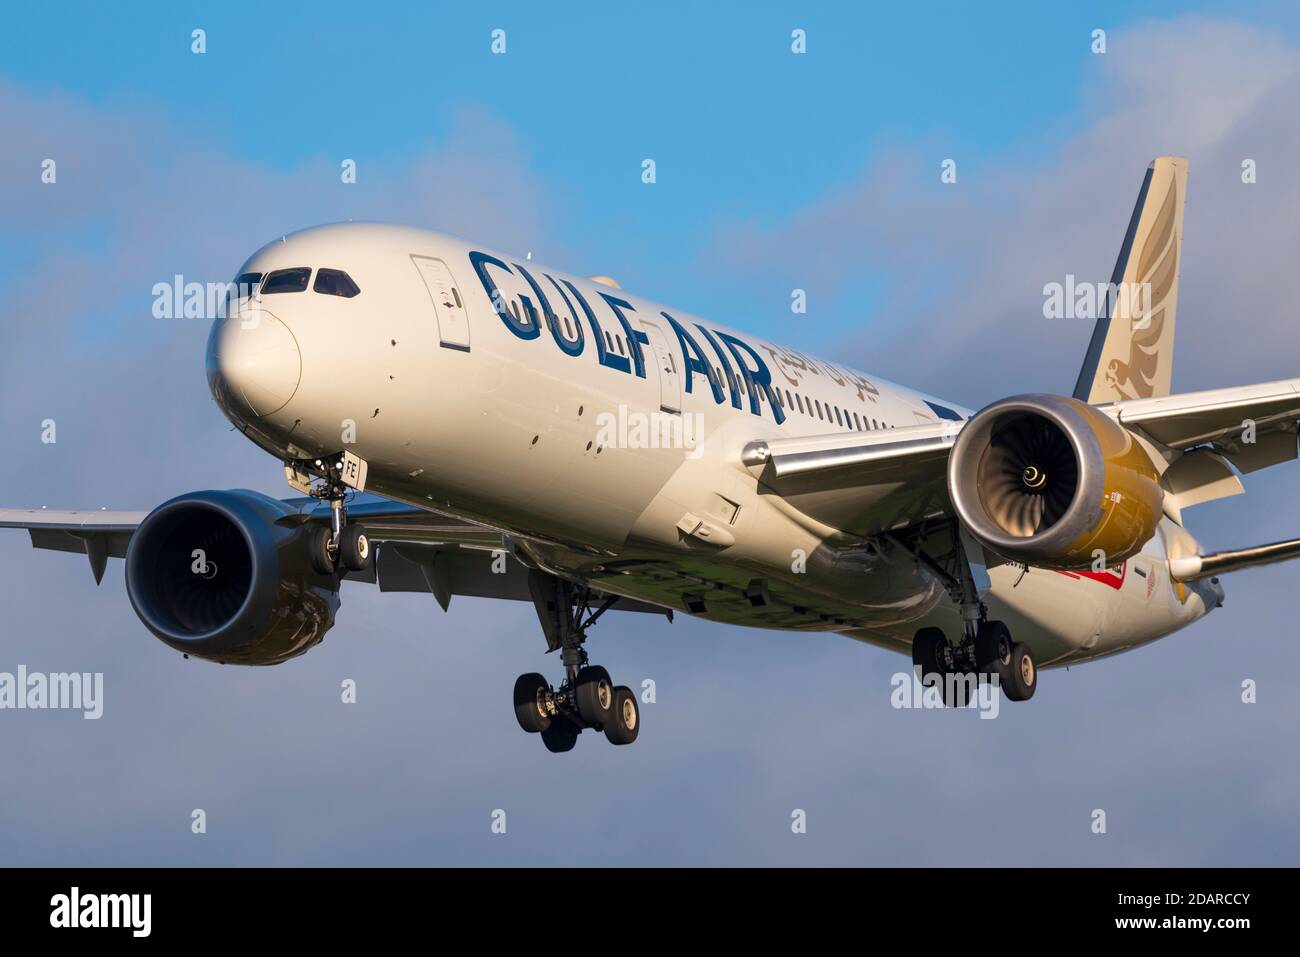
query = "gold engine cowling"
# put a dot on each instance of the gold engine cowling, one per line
(1051, 481)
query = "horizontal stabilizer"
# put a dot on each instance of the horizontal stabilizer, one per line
(1220, 563)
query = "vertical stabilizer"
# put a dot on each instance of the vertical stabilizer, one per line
(1131, 354)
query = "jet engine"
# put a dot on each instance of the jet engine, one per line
(226, 576)
(1053, 482)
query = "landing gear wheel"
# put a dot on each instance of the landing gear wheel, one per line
(595, 696)
(354, 549)
(927, 646)
(318, 548)
(626, 721)
(530, 708)
(993, 646)
(561, 736)
(1022, 674)
(959, 688)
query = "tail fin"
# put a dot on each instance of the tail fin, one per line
(1131, 355)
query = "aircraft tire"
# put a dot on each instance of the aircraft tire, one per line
(355, 551)
(594, 692)
(625, 723)
(993, 646)
(1022, 674)
(318, 549)
(926, 644)
(561, 736)
(528, 711)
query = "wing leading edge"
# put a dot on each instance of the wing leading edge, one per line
(418, 550)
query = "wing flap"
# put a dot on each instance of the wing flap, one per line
(860, 482)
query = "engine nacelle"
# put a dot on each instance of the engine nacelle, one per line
(220, 576)
(1049, 481)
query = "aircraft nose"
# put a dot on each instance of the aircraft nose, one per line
(253, 364)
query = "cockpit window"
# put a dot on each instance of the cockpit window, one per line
(286, 280)
(247, 283)
(242, 288)
(335, 282)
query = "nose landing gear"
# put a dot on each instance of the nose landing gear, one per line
(587, 697)
(343, 545)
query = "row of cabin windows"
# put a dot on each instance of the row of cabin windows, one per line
(812, 407)
(335, 282)
(844, 418)
(828, 413)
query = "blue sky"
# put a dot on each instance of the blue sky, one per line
(775, 171)
(741, 130)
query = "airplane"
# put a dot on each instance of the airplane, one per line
(460, 421)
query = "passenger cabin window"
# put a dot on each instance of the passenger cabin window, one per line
(335, 282)
(287, 280)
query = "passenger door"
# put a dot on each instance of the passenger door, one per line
(448, 306)
(670, 383)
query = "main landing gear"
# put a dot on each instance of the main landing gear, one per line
(986, 647)
(587, 697)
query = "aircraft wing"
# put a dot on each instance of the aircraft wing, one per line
(418, 550)
(861, 482)
(869, 482)
(1253, 426)
(385, 521)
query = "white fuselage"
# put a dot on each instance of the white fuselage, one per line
(579, 419)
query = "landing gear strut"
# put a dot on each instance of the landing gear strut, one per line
(986, 647)
(344, 545)
(587, 697)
